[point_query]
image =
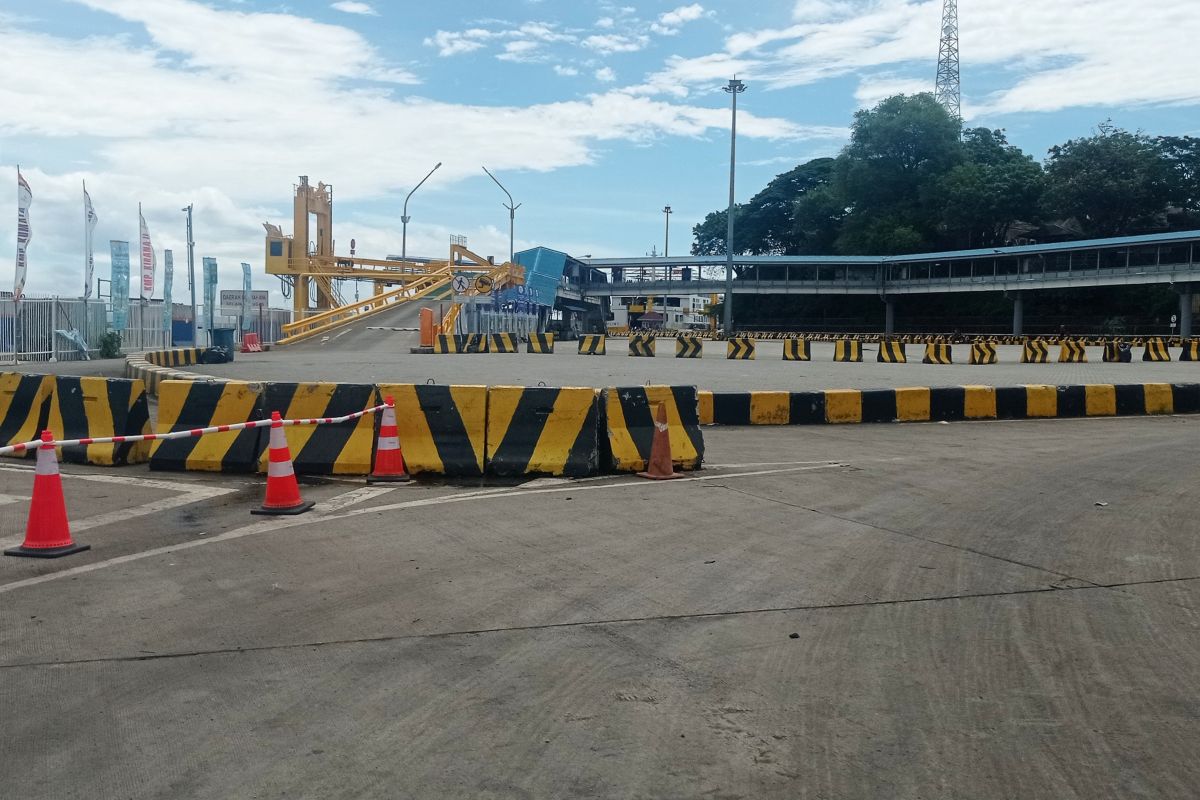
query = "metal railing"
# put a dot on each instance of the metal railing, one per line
(27, 329)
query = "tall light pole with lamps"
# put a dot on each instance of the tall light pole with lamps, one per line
(404, 217)
(735, 87)
(666, 252)
(512, 213)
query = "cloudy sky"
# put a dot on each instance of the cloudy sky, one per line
(595, 114)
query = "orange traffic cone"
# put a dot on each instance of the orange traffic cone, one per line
(47, 534)
(389, 461)
(283, 493)
(660, 467)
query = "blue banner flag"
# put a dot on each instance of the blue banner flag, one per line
(210, 291)
(245, 296)
(120, 283)
(168, 280)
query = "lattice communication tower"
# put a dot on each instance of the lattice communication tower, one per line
(948, 91)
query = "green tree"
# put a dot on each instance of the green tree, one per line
(994, 187)
(1182, 157)
(898, 152)
(1113, 182)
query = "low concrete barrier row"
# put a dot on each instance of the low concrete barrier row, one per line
(76, 408)
(458, 431)
(140, 367)
(947, 403)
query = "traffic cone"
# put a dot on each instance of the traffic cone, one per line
(283, 493)
(47, 533)
(660, 467)
(389, 461)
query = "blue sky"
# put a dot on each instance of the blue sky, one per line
(594, 114)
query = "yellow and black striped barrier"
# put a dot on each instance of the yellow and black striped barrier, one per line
(178, 357)
(442, 429)
(89, 407)
(796, 350)
(185, 405)
(24, 407)
(542, 431)
(474, 343)
(739, 348)
(1156, 350)
(1117, 351)
(324, 449)
(947, 403)
(937, 353)
(1190, 351)
(641, 345)
(1072, 352)
(689, 347)
(630, 412)
(1035, 352)
(591, 344)
(447, 343)
(847, 350)
(891, 352)
(983, 353)
(540, 343)
(502, 343)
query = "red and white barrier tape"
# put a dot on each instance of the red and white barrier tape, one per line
(150, 437)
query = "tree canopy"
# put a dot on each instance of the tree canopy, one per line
(911, 179)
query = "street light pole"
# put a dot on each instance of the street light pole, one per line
(512, 213)
(734, 88)
(404, 217)
(191, 258)
(666, 252)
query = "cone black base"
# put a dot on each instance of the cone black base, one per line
(389, 478)
(46, 552)
(284, 512)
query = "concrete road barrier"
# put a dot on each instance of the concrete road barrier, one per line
(324, 449)
(24, 406)
(543, 431)
(630, 414)
(186, 405)
(90, 407)
(442, 429)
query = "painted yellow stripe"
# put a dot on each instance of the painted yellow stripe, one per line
(770, 408)
(706, 407)
(681, 445)
(236, 404)
(416, 440)
(912, 404)
(1159, 399)
(1041, 401)
(472, 403)
(625, 454)
(561, 429)
(1101, 400)
(979, 402)
(502, 404)
(843, 405)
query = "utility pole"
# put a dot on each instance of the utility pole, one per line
(512, 213)
(404, 217)
(666, 252)
(734, 88)
(947, 89)
(191, 259)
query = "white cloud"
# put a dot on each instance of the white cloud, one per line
(607, 43)
(670, 22)
(820, 10)
(352, 7)
(237, 114)
(453, 43)
(679, 75)
(606, 74)
(605, 23)
(871, 89)
(522, 50)
(564, 70)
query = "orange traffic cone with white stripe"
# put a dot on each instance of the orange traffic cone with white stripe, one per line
(47, 533)
(283, 493)
(389, 461)
(660, 467)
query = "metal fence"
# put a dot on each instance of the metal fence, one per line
(144, 328)
(28, 329)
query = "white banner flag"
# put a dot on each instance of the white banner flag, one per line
(24, 234)
(149, 262)
(89, 227)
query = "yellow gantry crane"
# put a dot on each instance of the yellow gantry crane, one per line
(309, 270)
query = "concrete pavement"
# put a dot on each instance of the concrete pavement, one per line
(968, 622)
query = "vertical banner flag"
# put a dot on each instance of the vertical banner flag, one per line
(120, 284)
(210, 291)
(24, 234)
(148, 260)
(245, 296)
(168, 280)
(89, 227)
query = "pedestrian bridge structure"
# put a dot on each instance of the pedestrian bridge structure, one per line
(1170, 258)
